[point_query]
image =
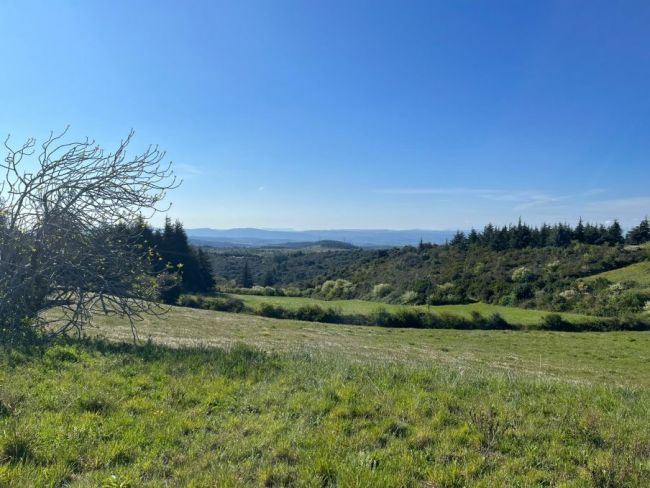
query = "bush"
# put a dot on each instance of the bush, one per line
(522, 274)
(380, 316)
(408, 317)
(273, 311)
(497, 322)
(292, 292)
(267, 291)
(628, 301)
(337, 290)
(62, 354)
(314, 313)
(220, 304)
(554, 321)
(408, 297)
(381, 290)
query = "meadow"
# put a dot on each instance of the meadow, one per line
(512, 315)
(637, 273)
(217, 399)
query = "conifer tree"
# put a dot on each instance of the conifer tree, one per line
(639, 234)
(614, 234)
(269, 278)
(246, 277)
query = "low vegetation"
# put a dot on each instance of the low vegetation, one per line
(637, 274)
(548, 268)
(358, 312)
(332, 406)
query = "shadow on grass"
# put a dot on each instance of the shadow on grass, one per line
(237, 360)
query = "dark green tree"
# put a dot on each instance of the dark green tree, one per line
(269, 278)
(206, 279)
(639, 234)
(246, 276)
(579, 232)
(614, 234)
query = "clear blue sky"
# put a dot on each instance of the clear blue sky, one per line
(348, 114)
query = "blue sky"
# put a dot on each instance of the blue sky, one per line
(349, 114)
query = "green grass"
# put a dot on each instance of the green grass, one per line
(97, 415)
(638, 273)
(510, 314)
(219, 399)
(621, 358)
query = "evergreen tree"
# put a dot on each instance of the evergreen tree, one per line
(269, 278)
(544, 236)
(501, 239)
(206, 273)
(246, 277)
(592, 234)
(614, 234)
(562, 235)
(639, 234)
(579, 232)
(458, 239)
(473, 237)
(487, 238)
(171, 250)
(520, 236)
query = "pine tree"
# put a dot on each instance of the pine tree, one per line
(246, 277)
(473, 237)
(614, 234)
(639, 234)
(269, 278)
(206, 273)
(544, 236)
(579, 232)
(458, 239)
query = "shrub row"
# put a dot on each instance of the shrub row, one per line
(404, 317)
(219, 303)
(555, 321)
(409, 317)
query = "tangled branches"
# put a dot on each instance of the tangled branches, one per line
(70, 217)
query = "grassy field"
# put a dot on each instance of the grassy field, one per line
(221, 399)
(621, 358)
(638, 273)
(510, 314)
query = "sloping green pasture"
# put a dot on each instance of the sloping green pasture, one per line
(638, 273)
(230, 400)
(510, 314)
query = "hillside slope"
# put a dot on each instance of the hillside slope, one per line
(613, 357)
(637, 273)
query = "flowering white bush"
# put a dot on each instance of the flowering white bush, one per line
(553, 265)
(568, 294)
(616, 288)
(522, 274)
(408, 297)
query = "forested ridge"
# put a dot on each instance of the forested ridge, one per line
(519, 265)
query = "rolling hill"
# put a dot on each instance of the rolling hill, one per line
(251, 237)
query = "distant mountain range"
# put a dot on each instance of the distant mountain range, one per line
(250, 237)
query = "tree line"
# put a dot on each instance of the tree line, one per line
(171, 251)
(522, 235)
